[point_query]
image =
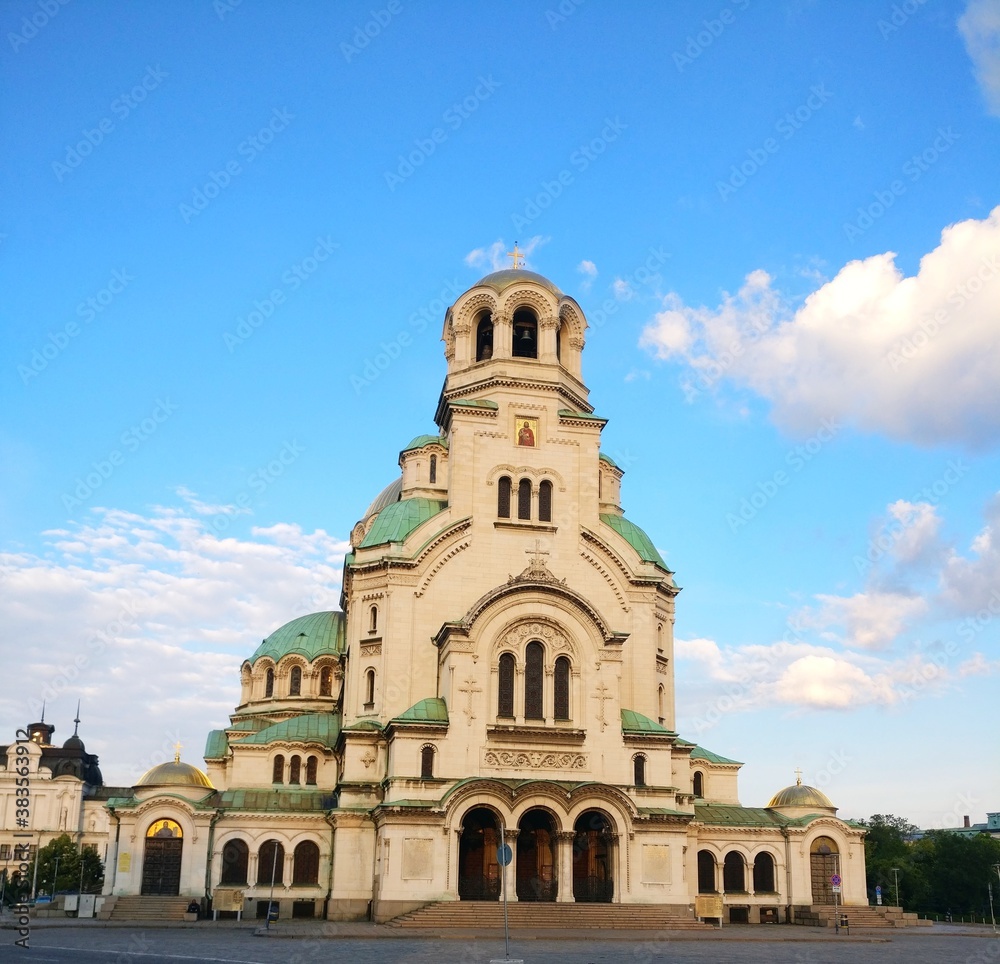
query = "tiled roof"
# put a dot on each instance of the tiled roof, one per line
(700, 753)
(633, 722)
(432, 710)
(317, 634)
(421, 440)
(216, 745)
(396, 521)
(635, 537)
(283, 799)
(321, 728)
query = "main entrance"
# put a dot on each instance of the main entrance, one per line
(536, 857)
(478, 869)
(592, 874)
(161, 862)
(823, 864)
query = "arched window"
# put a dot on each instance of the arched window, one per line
(484, 339)
(373, 619)
(278, 769)
(525, 334)
(434, 470)
(660, 704)
(311, 765)
(326, 681)
(699, 783)
(560, 336)
(639, 770)
(370, 689)
(561, 684)
(734, 873)
(505, 686)
(305, 864)
(524, 499)
(295, 681)
(427, 763)
(534, 674)
(706, 872)
(545, 501)
(235, 857)
(270, 860)
(763, 873)
(269, 682)
(503, 498)
(295, 771)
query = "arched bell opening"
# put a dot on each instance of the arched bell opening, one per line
(525, 329)
(484, 338)
(536, 857)
(161, 860)
(593, 840)
(478, 866)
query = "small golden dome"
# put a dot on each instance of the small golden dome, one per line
(175, 774)
(801, 795)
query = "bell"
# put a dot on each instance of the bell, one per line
(526, 335)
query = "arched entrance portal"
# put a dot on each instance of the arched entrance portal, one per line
(824, 862)
(478, 869)
(592, 875)
(536, 857)
(161, 862)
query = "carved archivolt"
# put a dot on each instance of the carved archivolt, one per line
(603, 570)
(533, 760)
(526, 470)
(515, 637)
(515, 298)
(468, 309)
(444, 560)
(574, 322)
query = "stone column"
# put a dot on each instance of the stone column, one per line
(510, 836)
(564, 863)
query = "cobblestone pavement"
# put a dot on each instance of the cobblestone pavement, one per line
(215, 944)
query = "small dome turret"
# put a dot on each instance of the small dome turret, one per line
(801, 797)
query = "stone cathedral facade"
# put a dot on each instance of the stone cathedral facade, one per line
(502, 669)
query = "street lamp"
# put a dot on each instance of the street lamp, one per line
(270, 900)
(895, 874)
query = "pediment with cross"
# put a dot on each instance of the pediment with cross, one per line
(536, 570)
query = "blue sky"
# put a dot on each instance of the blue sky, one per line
(232, 228)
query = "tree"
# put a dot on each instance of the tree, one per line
(69, 867)
(885, 848)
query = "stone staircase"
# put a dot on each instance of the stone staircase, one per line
(145, 908)
(822, 915)
(446, 915)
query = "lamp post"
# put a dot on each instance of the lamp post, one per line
(895, 874)
(55, 877)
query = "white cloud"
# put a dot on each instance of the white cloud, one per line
(910, 357)
(494, 256)
(622, 290)
(147, 618)
(980, 29)
(828, 682)
(871, 620)
(588, 268)
(970, 585)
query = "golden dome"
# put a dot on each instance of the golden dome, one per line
(801, 795)
(175, 774)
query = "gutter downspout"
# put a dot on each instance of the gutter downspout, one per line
(118, 831)
(789, 906)
(331, 820)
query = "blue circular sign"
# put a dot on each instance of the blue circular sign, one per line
(504, 854)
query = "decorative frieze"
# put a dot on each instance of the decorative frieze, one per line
(527, 759)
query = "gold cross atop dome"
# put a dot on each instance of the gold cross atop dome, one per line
(798, 777)
(516, 255)
(177, 752)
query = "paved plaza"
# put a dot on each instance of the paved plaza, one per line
(368, 944)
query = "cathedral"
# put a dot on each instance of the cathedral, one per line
(501, 671)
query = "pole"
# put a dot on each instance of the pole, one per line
(503, 890)
(992, 915)
(836, 899)
(55, 877)
(270, 900)
(895, 874)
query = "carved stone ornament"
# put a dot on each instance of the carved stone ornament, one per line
(503, 759)
(371, 649)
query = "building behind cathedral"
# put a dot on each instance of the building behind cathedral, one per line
(502, 669)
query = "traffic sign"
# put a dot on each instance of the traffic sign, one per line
(878, 890)
(504, 854)
(835, 880)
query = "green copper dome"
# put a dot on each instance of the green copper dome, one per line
(318, 634)
(501, 280)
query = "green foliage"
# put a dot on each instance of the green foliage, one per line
(68, 879)
(943, 872)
